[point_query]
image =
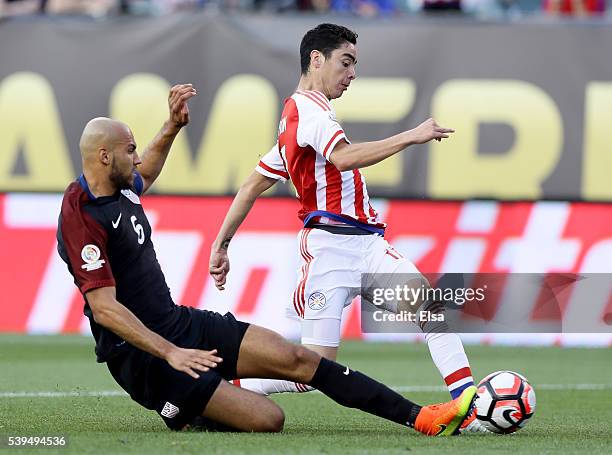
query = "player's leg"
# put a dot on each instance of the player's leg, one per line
(446, 348)
(181, 400)
(319, 308)
(320, 334)
(323, 351)
(243, 410)
(264, 353)
(266, 387)
(322, 326)
(263, 386)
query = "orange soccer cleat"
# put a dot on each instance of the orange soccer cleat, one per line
(444, 419)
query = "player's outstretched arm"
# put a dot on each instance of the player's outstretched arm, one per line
(347, 156)
(109, 313)
(241, 205)
(154, 156)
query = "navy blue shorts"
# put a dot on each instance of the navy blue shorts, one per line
(177, 397)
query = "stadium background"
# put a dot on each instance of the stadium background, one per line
(522, 186)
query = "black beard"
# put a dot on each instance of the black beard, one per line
(118, 180)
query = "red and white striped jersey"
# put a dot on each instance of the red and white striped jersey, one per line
(307, 134)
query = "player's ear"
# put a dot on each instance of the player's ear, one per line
(316, 59)
(104, 156)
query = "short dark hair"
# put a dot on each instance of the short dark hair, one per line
(324, 38)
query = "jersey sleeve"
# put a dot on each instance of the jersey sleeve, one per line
(83, 241)
(272, 165)
(320, 130)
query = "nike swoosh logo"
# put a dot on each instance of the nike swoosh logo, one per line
(346, 372)
(442, 428)
(116, 223)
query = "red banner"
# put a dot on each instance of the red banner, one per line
(39, 296)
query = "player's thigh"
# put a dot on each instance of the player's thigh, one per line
(323, 335)
(330, 268)
(210, 330)
(244, 410)
(266, 354)
(389, 270)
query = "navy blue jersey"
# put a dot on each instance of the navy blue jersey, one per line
(106, 241)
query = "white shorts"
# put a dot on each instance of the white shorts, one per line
(330, 277)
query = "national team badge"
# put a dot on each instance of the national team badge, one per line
(131, 196)
(170, 410)
(91, 256)
(317, 300)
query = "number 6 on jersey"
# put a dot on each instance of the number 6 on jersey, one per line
(138, 230)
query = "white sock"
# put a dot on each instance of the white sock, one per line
(268, 386)
(447, 352)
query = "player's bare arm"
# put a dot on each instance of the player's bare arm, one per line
(110, 313)
(252, 188)
(347, 156)
(155, 154)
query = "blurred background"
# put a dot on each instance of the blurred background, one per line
(523, 185)
(357, 8)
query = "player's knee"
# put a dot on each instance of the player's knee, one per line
(303, 358)
(271, 421)
(421, 287)
(277, 421)
(303, 362)
(301, 355)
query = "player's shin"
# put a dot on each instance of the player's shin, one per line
(356, 390)
(447, 352)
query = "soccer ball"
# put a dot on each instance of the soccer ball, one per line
(506, 401)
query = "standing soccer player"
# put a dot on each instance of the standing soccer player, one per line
(177, 360)
(343, 236)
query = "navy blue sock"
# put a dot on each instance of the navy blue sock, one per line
(459, 390)
(356, 390)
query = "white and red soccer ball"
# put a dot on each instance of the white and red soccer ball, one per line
(506, 401)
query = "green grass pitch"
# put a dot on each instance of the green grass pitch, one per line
(572, 415)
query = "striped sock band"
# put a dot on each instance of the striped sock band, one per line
(301, 388)
(458, 381)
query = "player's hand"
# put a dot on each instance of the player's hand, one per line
(219, 267)
(177, 103)
(429, 130)
(191, 360)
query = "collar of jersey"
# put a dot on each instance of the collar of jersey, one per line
(313, 91)
(85, 187)
(138, 186)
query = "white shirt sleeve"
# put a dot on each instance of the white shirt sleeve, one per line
(272, 165)
(320, 130)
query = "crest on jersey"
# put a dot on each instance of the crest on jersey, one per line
(91, 256)
(317, 300)
(131, 196)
